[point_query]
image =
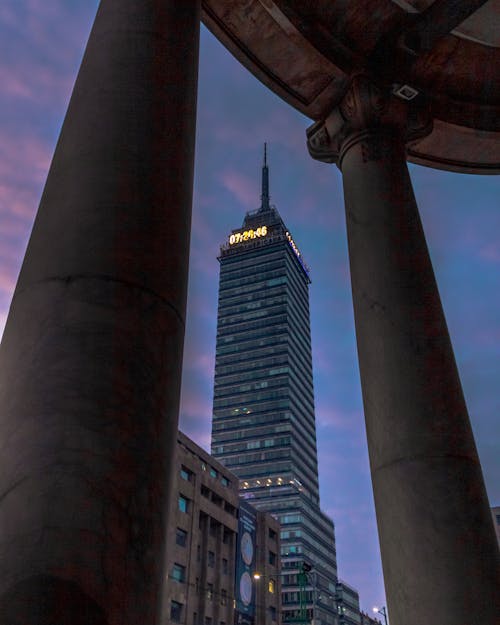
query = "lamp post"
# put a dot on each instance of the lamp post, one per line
(262, 603)
(382, 611)
(303, 581)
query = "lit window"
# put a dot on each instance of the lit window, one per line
(175, 611)
(271, 585)
(179, 573)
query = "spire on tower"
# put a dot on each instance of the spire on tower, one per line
(265, 183)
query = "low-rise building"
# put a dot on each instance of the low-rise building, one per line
(214, 552)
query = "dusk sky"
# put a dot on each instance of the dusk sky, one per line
(41, 45)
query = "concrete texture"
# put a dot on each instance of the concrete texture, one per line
(92, 352)
(307, 53)
(438, 550)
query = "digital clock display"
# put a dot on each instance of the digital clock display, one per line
(247, 235)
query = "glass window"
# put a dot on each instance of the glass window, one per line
(271, 586)
(272, 534)
(183, 504)
(223, 597)
(208, 620)
(186, 474)
(179, 572)
(205, 491)
(213, 472)
(210, 591)
(272, 557)
(211, 559)
(175, 611)
(225, 566)
(195, 618)
(180, 537)
(224, 481)
(272, 611)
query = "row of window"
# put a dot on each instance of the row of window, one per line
(252, 432)
(264, 360)
(218, 500)
(188, 475)
(253, 444)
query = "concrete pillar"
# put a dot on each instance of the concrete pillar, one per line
(439, 555)
(91, 356)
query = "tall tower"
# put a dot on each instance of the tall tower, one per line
(263, 425)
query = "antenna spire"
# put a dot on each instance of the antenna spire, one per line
(265, 183)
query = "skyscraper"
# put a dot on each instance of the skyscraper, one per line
(263, 416)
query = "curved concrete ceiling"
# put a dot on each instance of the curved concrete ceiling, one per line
(448, 51)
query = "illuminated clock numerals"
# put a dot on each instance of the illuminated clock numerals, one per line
(238, 237)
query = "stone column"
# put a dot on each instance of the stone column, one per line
(439, 555)
(91, 356)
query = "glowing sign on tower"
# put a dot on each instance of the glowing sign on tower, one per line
(247, 235)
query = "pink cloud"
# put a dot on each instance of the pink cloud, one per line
(13, 84)
(198, 362)
(195, 418)
(490, 253)
(242, 187)
(7, 280)
(24, 160)
(331, 416)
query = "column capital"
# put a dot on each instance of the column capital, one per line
(366, 110)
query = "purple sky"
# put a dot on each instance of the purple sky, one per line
(41, 43)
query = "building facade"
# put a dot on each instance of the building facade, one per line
(204, 586)
(263, 425)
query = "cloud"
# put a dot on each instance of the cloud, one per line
(336, 417)
(490, 252)
(195, 418)
(244, 189)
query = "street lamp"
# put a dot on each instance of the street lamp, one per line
(303, 581)
(383, 611)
